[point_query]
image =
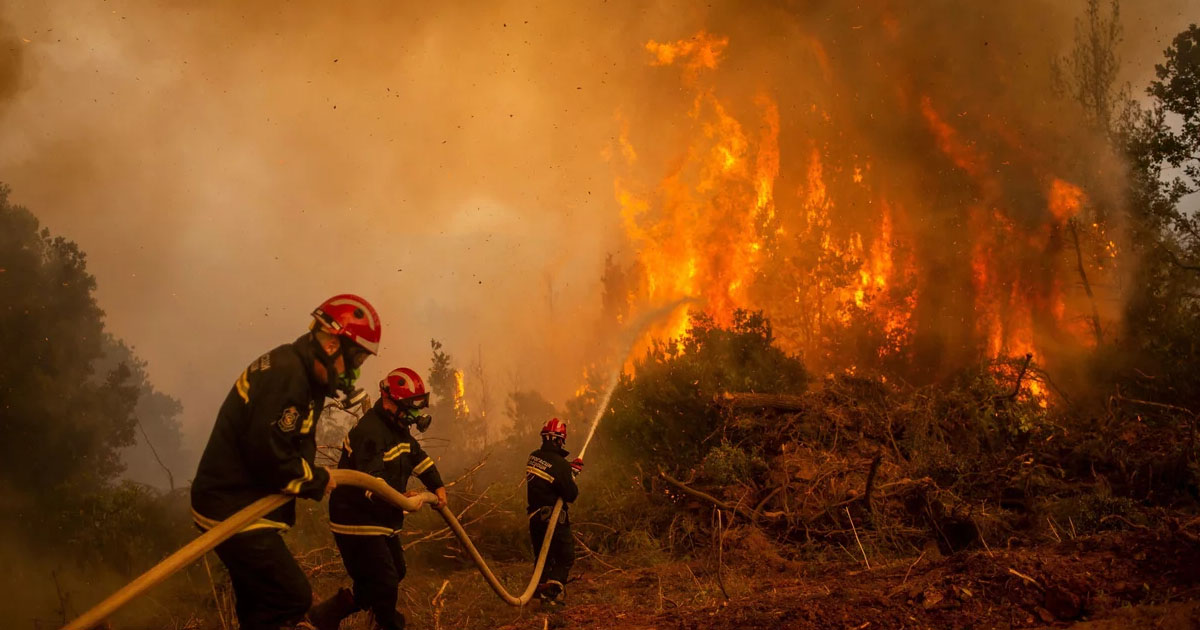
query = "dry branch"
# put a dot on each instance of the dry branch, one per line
(750, 400)
(715, 501)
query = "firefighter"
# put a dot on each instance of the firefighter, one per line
(365, 528)
(549, 478)
(263, 442)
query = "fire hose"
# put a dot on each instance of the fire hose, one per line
(210, 539)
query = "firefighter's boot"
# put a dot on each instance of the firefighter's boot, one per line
(328, 615)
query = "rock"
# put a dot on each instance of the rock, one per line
(1063, 604)
(931, 598)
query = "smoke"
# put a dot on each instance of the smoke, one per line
(228, 165)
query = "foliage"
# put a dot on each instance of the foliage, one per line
(1160, 142)
(1177, 90)
(57, 407)
(127, 527)
(158, 457)
(72, 397)
(726, 464)
(1088, 74)
(664, 413)
(457, 433)
(528, 411)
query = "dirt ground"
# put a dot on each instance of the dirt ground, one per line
(1115, 580)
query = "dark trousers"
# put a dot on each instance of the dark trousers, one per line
(562, 545)
(376, 564)
(270, 589)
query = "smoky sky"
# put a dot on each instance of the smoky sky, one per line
(228, 165)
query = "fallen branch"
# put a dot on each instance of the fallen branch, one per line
(750, 400)
(713, 500)
(1025, 577)
(592, 554)
(860, 547)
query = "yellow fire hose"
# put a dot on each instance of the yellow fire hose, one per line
(210, 539)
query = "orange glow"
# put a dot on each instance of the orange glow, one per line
(460, 396)
(1065, 199)
(702, 52)
(840, 255)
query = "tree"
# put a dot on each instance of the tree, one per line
(456, 435)
(64, 420)
(1089, 73)
(70, 396)
(1176, 91)
(528, 410)
(157, 458)
(1162, 147)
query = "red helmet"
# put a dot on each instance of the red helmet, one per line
(352, 317)
(554, 429)
(405, 387)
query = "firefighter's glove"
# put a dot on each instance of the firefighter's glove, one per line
(576, 466)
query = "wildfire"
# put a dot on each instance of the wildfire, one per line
(854, 268)
(1065, 199)
(460, 395)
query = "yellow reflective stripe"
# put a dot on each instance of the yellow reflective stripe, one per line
(537, 472)
(293, 486)
(362, 530)
(307, 425)
(396, 451)
(243, 386)
(346, 446)
(205, 523)
(423, 466)
(263, 523)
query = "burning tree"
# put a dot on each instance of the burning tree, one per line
(891, 221)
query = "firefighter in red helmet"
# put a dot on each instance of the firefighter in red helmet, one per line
(366, 529)
(549, 478)
(263, 442)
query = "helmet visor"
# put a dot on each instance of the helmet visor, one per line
(420, 401)
(355, 354)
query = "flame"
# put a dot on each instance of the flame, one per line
(460, 396)
(702, 52)
(1065, 199)
(831, 247)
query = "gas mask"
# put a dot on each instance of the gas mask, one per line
(353, 356)
(414, 417)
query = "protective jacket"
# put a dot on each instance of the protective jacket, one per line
(549, 478)
(264, 440)
(378, 445)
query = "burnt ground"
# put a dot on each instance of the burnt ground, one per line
(1128, 579)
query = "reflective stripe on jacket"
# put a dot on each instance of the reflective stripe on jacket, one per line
(382, 447)
(264, 440)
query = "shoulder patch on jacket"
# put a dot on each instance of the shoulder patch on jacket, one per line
(287, 422)
(261, 364)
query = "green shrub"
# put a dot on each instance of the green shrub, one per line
(664, 414)
(726, 464)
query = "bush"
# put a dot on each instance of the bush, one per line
(664, 414)
(726, 464)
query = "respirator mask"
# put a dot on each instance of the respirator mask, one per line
(410, 412)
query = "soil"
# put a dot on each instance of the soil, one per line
(1128, 579)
